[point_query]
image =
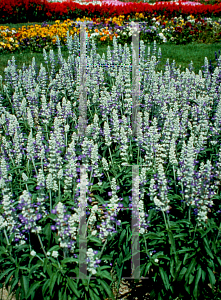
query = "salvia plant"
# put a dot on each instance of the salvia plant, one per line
(177, 150)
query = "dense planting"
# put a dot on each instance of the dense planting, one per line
(41, 154)
(168, 170)
(42, 10)
(161, 29)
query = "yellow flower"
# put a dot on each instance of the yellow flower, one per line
(57, 22)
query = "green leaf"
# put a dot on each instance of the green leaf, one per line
(207, 248)
(219, 260)
(107, 289)
(171, 238)
(127, 257)
(63, 295)
(49, 269)
(180, 235)
(45, 286)
(178, 268)
(33, 287)
(190, 268)
(25, 283)
(93, 296)
(122, 235)
(164, 278)
(147, 268)
(212, 278)
(185, 250)
(171, 268)
(14, 283)
(59, 278)
(69, 259)
(185, 258)
(6, 272)
(100, 199)
(52, 283)
(104, 267)
(45, 265)
(73, 286)
(95, 240)
(182, 272)
(106, 274)
(203, 276)
(106, 257)
(212, 227)
(8, 277)
(191, 278)
(198, 275)
(95, 291)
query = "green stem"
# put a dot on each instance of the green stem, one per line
(66, 139)
(90, 178)
(108, 177)
(111, 156)
(34, 165)
(50, 200)
(102, 249)
(194, 232)
(174, 176)
(59, 186)
(218, 233)
(189, 212)
(168, 219)
(41, 245)
(6, 237)
(46, 129)
(74, 189)
(165, 220)
(40, 258)
(42, 165)
(138, 155)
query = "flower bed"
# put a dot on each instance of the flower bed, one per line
(41, 10)
(42, 180)
(163, 30)
(49, 170)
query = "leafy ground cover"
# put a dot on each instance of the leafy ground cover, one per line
(178, 146)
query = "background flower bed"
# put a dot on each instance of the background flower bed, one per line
(175, 31)
(41, 10)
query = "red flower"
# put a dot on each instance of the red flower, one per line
(178, 28)
(188, 24)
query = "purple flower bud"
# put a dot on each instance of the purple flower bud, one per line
(53, 227)
(39, 216)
